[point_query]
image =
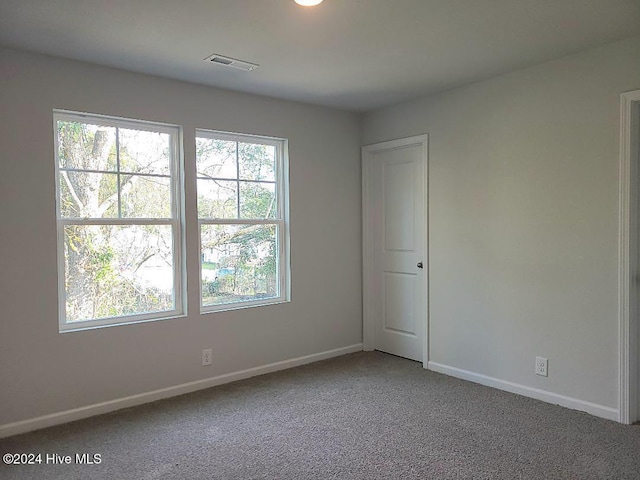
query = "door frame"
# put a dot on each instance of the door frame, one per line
(628, 259)
(368, 151)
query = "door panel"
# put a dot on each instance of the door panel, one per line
(398, 205)
(399, 301)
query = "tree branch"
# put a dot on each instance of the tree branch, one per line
(104, 206)
(273, 199)
(72, 191)
(142, 262)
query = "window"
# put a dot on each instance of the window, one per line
(120, 225)
(242, 211)
(119, 220)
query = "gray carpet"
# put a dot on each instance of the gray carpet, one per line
(361, 416)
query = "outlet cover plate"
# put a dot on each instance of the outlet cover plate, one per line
(207, 353)
(541, 366)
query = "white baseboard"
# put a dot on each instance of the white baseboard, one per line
(549, 397)
(105, 407)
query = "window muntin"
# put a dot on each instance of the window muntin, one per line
(119, 220)
(241, 184)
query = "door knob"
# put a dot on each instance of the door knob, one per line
(420, 265)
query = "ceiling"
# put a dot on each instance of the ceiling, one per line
(355, 55)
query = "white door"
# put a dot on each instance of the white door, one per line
(395, 261)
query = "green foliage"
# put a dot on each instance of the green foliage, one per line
(257, 200)
(216, 158)
(98, 278)
(256, 162)
(247, 262)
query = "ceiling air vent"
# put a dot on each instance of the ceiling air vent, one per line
(231, 62)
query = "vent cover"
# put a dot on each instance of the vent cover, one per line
(231, 62)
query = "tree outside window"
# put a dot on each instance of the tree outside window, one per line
(241, 207)
(118, 220)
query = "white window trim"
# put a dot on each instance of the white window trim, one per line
(177, 222)
(282, 221)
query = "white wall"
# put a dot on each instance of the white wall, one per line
(42, 371)
(523, 192)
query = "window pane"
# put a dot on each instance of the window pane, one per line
(145, 197)
(216, 158)
(238, 263)
(217, 199)
(257, 200)
(88, 195)
(144, 152)
(114, 271)
(257, 162)
(86, 146)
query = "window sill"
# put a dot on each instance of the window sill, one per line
(94, 325)
(241, 306)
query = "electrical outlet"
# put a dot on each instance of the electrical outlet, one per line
(207, 353)
(541, 366)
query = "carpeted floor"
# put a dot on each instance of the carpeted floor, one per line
(361, 416)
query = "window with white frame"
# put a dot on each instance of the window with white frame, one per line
(242, 212)
(119, 220)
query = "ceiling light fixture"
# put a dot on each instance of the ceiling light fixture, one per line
(308, 3)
